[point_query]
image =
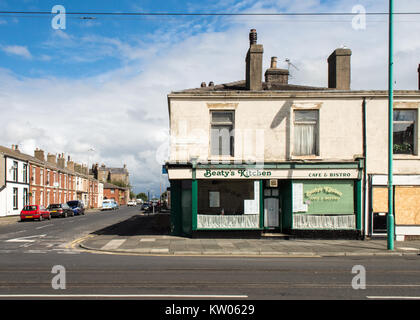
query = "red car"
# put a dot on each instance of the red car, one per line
(34, 212)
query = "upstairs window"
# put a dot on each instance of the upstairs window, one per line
(404, 128)
(222, 134)
(305, 132)
(25, 173)
(15, 171)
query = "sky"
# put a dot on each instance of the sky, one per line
(102, 83)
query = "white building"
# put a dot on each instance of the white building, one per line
(14, 182)
(256, 156)
(100, 194)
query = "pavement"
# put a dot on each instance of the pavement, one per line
(144, 235)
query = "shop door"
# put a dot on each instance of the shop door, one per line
(186, 205)
(271, 213)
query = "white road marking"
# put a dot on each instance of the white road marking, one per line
(393, 297)
(26, 245)
(36, 251)
(26, 239)
(48, 225)
(147, 240)
(208, 296)
(113, 244)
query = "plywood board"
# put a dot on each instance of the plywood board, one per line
(407, 205)
(380, 199)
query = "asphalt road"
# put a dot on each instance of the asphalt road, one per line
(30, 250)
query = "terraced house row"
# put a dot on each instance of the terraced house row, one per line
(37, 179)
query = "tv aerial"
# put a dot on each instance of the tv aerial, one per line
(290, 64)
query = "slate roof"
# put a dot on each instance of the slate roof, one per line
(108, 185)
(25, 157)
(241, 86)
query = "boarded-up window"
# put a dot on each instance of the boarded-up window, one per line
(380, 199)
(407, 205)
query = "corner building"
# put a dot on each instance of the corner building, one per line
(255, 156)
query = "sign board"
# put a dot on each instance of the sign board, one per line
(314, 174)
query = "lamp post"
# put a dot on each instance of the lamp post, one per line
(390, 216)
(89, 193)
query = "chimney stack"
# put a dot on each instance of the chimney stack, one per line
(70, 164)
(77, 168)
(52, 158)
(254, 63)
(418, 70)
(39, 154)
(339, 71)
(274, 75)
(61, 162)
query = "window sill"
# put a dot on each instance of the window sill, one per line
(308, 157)
(406, 157)
(221, 159)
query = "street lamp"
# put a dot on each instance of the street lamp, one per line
(89, 195)
(390, 216)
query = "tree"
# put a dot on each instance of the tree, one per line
(142, 196)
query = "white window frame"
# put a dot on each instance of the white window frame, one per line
(317, 128)
(231, 134)
(415, 134)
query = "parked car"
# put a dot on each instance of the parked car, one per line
(77, 206)
(61, 210)
(145, 206)
(132, 203)
(34, 212)
(109, 204)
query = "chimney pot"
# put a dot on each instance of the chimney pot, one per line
(273, 63)
(211, 84)
(203, 84)
(252, 37)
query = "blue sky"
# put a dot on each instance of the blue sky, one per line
(106, 80)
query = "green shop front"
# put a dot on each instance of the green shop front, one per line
(294, 198)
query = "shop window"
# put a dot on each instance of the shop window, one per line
(403, 131)
(222, 133)
(228, 204)
(305, 132)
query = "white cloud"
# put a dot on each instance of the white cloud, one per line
(21, 51)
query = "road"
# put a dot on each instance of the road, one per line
(29, 251)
